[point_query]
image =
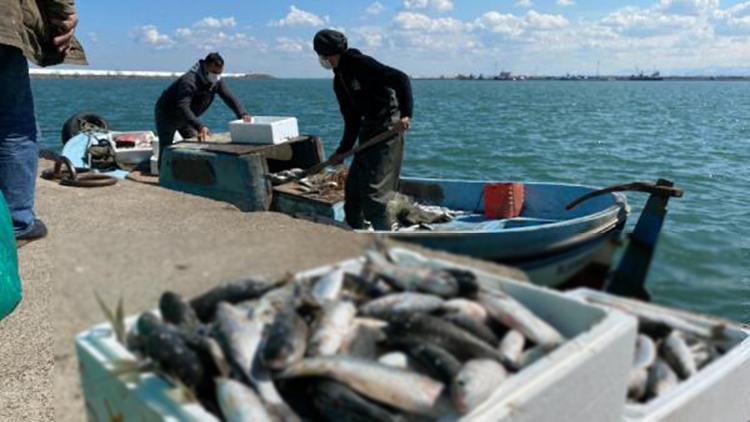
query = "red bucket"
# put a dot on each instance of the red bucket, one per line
(503, 200)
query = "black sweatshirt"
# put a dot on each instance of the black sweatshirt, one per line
(364, 88)
(190, 96)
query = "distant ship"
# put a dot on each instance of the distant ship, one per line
(656, 76)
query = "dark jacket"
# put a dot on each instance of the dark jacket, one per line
(190, 96)
(365, 89)
(25, 24)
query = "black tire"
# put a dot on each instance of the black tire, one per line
(73, 126)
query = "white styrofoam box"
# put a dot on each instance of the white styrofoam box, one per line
(264, 130)
(583, 379)
(155, 143)
(719, 391)
(154, 165)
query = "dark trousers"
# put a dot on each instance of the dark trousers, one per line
(166, 126)
(373, 178)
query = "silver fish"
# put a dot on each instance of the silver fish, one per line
(511, 346)
(399, 388)
(399, 303)
(645, 352)
(239, 403)
(395, 359)
(703, 353)
(475, 383)
(532, 355)
(363, 338)
(677, 353)
(637, 383)
(661, 378)
(516, 316)
(421, 279)
(332, 328)
(328, 287)
(466, 307)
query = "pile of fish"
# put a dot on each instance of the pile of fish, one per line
(668, 351)
(410, 215)
(327, 185)
(386, 342)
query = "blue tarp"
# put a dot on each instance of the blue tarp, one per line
(10, 283)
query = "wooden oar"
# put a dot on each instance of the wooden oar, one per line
(361, 147)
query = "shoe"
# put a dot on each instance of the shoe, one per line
(38, 231)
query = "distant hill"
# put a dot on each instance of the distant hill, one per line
(39, 73)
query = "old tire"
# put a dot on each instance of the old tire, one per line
(74, 125)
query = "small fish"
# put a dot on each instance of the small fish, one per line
(645, 352)
(337, 402)
(176, 311)
(475, 383)
(661, 378)
(703, 353)
(677, 353)
(328, 287)
(479, 330)
(363, 338)
(239, 403)
(425, 280)
(637, 383)
(395, 359)
(233, 292)
(401, 303)
(332, 328)
(286, 340)
(438, 362)
(396, 387)
(515, 315)
(165, 346)
(532, 355)
(512, 346)
(466, 307)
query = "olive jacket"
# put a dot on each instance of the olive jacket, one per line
(25, 24)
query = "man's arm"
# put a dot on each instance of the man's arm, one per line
(185, 91)
(352, 119)
(231, 100)
(390, 77)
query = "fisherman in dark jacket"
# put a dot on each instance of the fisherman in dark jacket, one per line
(190, 96)
(373, 99)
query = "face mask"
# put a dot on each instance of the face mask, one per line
(213, 77)
(325, 63)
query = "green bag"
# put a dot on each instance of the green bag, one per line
(10, 283)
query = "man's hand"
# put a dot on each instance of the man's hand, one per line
(65, 29)
(247, 118)
(336, 158)
(204, 134)
(405, 124)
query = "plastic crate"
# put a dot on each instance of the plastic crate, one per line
(264, 130)
(719, 391)
(583, 379)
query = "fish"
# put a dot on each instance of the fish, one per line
(661, 378)
(286, 340)
(165, 346)
(402, 389)
(176, 311)
(703, 353)
(419, 279)
(512, 345)
(365, 286)
(676, 352)
(475, 383)
(479, 330)
(455, 340)
(645, 352)
(332, 328)
(530, 356)
(363, 338)
(336, 402)
(637, 383)
(399, 303)
(275, 301)
(395, 359)
(465, 307)
(515, 315)
(328, 287)
(239, 403)
(437, 361)
(232, 292)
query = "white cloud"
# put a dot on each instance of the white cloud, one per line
(371, 37)
(299, 17)
(212, 22)
(416, 21)
(688, 7)
(524, 3)
(149, 34)
(566, 3)
(375, 9)
(439, 5)
(291, 45)
(633, 21)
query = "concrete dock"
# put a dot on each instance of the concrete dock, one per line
(134, 241)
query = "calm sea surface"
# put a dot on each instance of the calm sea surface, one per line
(596, 133)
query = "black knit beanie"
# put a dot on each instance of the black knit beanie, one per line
(329, 42)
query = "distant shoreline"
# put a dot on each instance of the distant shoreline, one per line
(37, 73)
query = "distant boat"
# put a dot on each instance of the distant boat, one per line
(656, 76)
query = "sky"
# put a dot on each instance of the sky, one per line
(425, 37)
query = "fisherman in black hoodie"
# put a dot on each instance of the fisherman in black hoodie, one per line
(190, 96)
(373, 99)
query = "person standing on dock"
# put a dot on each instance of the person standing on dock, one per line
(188, 97)
(42, 32)
(373, 99)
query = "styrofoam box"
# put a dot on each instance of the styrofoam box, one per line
(583, 379)
(718, 392)
(154, 163)
(264, 130)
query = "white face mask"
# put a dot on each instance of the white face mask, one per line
(213, 77)
(325, 63)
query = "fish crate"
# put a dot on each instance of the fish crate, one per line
(264, 130)
(718, 391)
(582, 379)
(289, 199)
